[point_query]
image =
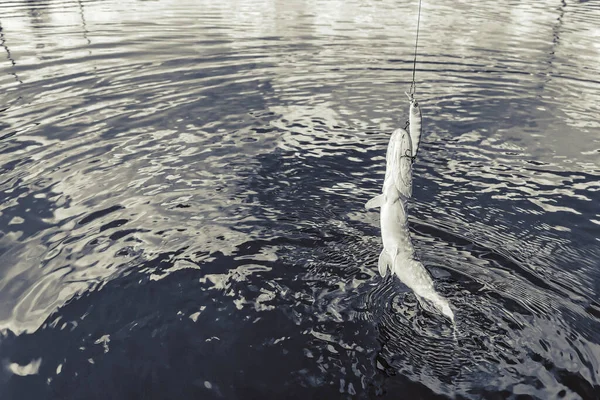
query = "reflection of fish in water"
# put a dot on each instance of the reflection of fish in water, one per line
(398, 252)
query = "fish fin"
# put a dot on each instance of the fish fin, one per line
(393, 264)
(384, 263)
(375, 202)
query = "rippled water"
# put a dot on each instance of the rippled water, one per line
(182, 190)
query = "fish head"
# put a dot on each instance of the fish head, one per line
(399, 162)
(400, 145)
(415, 109)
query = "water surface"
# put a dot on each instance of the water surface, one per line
(182, 194)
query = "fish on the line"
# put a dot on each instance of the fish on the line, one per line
(398, 254)
(415, 123)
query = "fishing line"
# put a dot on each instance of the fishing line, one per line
(413, 85)
(9, 56)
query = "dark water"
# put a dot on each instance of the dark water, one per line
(182, 188)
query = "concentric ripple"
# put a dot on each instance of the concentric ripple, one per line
(182, 189)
